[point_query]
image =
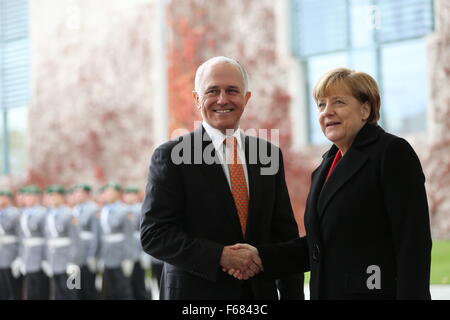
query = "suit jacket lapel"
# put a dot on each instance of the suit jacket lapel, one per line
(254, 181)
(218, 182)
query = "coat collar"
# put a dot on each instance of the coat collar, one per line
(347, 167)
(368, 134)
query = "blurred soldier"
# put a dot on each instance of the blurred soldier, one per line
(115, 245)
(10, 280)
(62, 234)
(99, 197)
(86, 212)
(69, 197)
(157, 268)
(156, 265)
(20, 199)
(140, 259)
(32, 245)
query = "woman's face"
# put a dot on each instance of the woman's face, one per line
(341, 116)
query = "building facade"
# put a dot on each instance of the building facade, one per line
(109, 83)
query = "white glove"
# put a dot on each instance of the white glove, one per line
(91, 263)
(17, 267)
(46, 268)
(72, 269)
(145, 260)
(100, 265)
(127, 267)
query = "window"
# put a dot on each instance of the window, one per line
(14, 83)
(381, 37)
(404, 86)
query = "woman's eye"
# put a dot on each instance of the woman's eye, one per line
(321, 105)
(339, 101)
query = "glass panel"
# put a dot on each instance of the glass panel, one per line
(13, 19)
(365, 17)
(17, 125)
(14, 54)
(363, 60)
(319, 27)
(2, 145)
(317, 66)
(404, 19)
(15, 74)
(404, 86)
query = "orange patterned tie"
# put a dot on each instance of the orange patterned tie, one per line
(238, 184)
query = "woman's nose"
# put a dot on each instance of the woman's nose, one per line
(327, 110)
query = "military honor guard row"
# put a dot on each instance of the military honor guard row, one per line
(74, 244)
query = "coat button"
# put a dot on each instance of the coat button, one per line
(315, 253)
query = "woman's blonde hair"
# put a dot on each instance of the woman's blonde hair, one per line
(361, 85)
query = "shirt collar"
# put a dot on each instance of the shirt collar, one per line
(218, 137)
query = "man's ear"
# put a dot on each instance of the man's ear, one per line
(196, 99)
(365, 111)
(248, 95)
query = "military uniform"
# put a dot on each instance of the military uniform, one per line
(140, 259)
(63, 242)
(32, 249)
(86, 213)
(10, 282)
(115, 249)
(157, 268)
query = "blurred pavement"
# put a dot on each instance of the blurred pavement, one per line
(438, 292)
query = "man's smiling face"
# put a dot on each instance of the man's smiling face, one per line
(222, 97)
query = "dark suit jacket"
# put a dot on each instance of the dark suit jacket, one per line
(188, 216)
(372, 211)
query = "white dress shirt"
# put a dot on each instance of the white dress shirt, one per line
(224, 151)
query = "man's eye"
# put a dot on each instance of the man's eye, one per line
(212, 91)
(340, 101)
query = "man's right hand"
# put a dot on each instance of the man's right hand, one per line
(242, 257)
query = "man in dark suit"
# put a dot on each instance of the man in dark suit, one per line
(210, 189)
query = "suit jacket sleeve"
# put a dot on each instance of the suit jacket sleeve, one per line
(406, 205)
(162, 234)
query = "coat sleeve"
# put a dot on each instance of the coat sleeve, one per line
(405, 200)
(289, 255)
(285, 228)
(285, 258)
(162, 233)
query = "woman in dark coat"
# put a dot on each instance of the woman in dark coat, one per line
(366, 219)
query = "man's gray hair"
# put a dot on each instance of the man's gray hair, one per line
(204, 65)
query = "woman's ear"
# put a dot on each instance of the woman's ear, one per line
(365, 111)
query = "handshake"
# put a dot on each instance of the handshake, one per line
(241, 261)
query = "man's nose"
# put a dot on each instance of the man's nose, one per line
(222, 98)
